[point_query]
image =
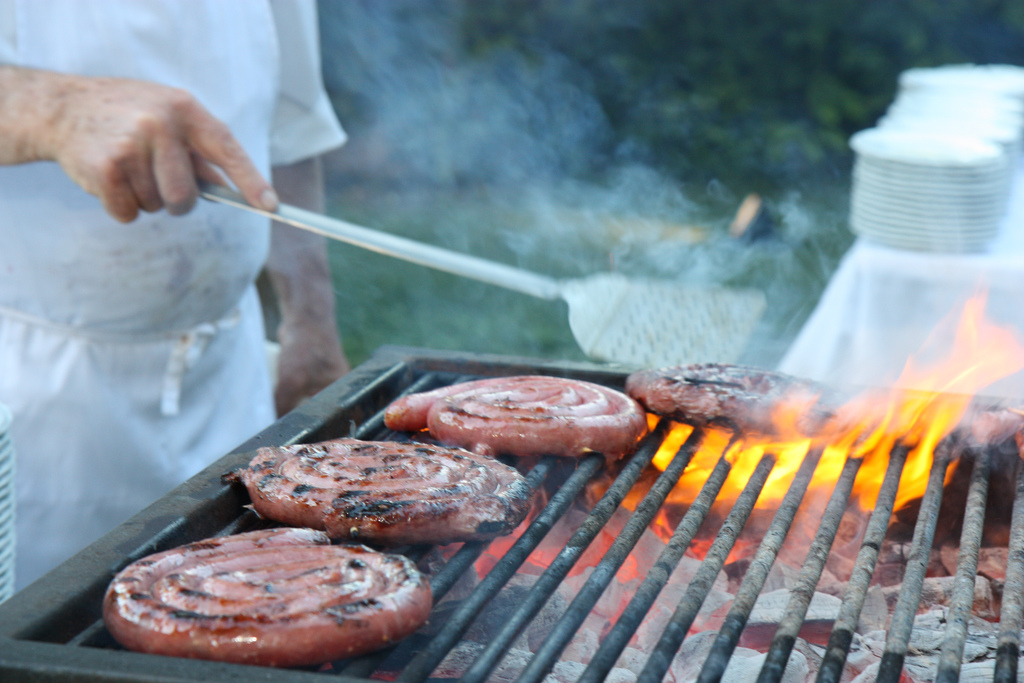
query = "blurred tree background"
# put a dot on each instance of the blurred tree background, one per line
(764, 88)
(572, 136)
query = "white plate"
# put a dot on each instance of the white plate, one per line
(933, 204)
(900, 183)
(975, 176)
(917, 216)
(890, 224)
(931, 242)
(997, 78)
(995, 184)
(861, 225)
(993, 166)
(948, 247)
(925, 149)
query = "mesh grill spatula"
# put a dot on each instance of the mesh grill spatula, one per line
(614, 318)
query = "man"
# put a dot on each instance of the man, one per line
(131, 337)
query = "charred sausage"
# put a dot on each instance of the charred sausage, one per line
(282, 597)
(736, 395)
(386, 492)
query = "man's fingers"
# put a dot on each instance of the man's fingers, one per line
(215, 143)
(208, 172)
(141, 145)
(139, 174)
(119, 198)
(175, 178)
(146, 194)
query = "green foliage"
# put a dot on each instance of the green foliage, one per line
(770, 87)
(512, 129)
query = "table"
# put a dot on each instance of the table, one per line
(884, 305)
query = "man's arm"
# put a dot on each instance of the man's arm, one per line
(311, 353)
(136, 145)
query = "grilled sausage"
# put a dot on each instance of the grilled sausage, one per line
(282, 597)
(737, 395)
(525, 415)
(386, 492)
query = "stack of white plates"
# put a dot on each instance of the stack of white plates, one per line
(927, 191)
(936, 173)
(6, 506)
(984, 113)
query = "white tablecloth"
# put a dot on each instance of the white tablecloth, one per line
(882, 305)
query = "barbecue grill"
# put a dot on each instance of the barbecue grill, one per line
(52, 630)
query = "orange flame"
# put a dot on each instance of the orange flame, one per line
(924, 405)
(929, 400)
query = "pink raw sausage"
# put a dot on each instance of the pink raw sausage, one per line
(525, 415)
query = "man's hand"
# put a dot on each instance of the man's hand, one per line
(136, 145)
(311, 353)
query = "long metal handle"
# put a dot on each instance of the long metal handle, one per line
(422, 254)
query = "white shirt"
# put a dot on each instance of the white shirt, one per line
(304, 122)
(131, 356)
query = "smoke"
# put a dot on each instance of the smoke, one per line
(511, 157)
(426, 112)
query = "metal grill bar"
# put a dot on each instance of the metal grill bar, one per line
(549, 581)
(1011, 617)
(831, 670)
(590, 593)
(801, 593)
(675, 631)
(614, 643)
(729, 635)
(375, 425)
(902, 622)
(960, 603)
(425, 662)
(442, 582)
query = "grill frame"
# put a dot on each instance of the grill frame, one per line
(52, 630)
(47, 628)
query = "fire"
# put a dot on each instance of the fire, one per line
(924, 405)
(929, 400)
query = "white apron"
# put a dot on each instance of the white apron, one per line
(131, 356)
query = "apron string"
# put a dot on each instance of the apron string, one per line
(186, 352)
(188, 346)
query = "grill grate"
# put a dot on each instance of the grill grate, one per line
(831, 670)
(1012, 617)
(729, 635)
(53, 631)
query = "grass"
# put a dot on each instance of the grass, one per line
(572, 230)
